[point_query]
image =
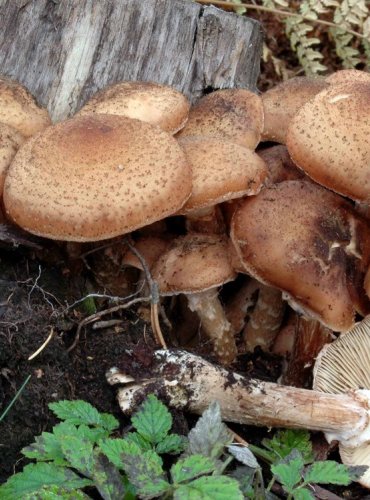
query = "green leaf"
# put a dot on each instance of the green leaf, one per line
(46, 447)
(172, 443)
(210, 488)
(79, 453)
(153, 420)
(116, 449)
(285, 441)
(328, 472)
(289, 470)
(303, 494)
(82, 412)
(191, 467)
(56, 493)
(210, 435)
(146, 474)
(135, 437)
(35, 477)
(107, 479)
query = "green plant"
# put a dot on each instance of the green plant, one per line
(81, 455)
(348, 23)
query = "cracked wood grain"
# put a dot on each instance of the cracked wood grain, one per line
(63, 51)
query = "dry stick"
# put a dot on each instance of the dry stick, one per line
(42, 347)
(100, 314)
(154, 294)
(279, 12)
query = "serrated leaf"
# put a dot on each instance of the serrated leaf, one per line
(244, 455)
(210, 435)
(172, 443)
(289, 470)
(35, 477)
(56, 493)
(285, 441)
(135, 437)
(79, 453)
(145, 472)
(107, 479)
(303, 494)
(191, 467)
(116, 449)
(82, 412)
(210, 488)
(153, 420)
(45, 448)
(328, 472)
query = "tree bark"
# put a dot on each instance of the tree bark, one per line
(63, 51)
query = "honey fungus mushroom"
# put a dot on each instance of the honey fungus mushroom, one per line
(197, 265)
(19, 109)
(95, 177)
(151, 102)
(302, 239)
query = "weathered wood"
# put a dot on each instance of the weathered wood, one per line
(65, 50)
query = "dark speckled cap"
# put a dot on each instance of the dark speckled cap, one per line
(96, 177)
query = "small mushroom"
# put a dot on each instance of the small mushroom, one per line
(196, 265)
(348, 76)
(280, 166)
(19, 109)
(233, 114)
(151, 102)
(95, 177)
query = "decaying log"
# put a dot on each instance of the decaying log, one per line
(63, 51)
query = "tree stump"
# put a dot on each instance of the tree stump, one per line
(63, 51)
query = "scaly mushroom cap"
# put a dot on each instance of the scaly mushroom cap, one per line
(279, 165)
(10, 142)
(343, 366)
(19, 109)
(301, 238)
(329, 138)
(194, 263)
(96, 177)
(348, 76)
(233, 114)
(282, 102)
(222, 170)
(149, 247)
(150, 102)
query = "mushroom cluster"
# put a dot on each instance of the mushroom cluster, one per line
(286, 217)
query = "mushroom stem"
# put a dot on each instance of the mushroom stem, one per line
(214, 323)
(189, 381)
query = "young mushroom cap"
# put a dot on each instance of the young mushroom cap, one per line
(147, 101)
(232, 114)
(19, 109)
(329, 138)
(283, 101)
(221, 170)
(348, 76)
(95, 177)
(279, 165)
(301, 238)
(196, 265)
(10, 142)
(341, 367)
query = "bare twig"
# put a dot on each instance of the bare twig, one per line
(42, 347)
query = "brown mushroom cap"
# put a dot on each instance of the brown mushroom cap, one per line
(279, 165)
(233, 114)
(301, 238)
(329, 138)
(222, 170)
(10, 142)
(150, 102)
(96, 177)
(19, 109)
(348, 76)
(194, 263)
(282, 102)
